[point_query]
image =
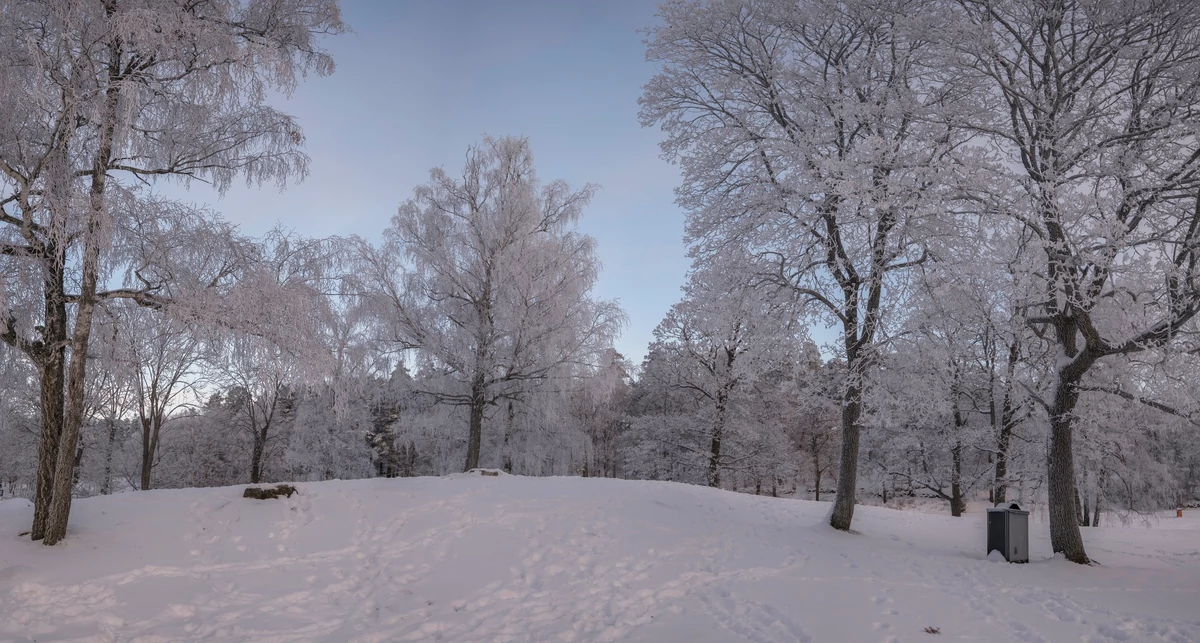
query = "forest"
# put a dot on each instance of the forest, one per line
(991, 207)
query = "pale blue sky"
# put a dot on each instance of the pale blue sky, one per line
(419, 81)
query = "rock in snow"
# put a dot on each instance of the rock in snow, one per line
(507, 558)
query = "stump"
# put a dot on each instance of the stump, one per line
(258, 493)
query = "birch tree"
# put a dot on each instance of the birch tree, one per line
(163, 358)
(101, 97)
(810, 132)
(486, 278)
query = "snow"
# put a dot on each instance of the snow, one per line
(505, 558)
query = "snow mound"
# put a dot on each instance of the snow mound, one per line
(996, 557)
(498, 558)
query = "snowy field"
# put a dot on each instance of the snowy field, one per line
(488, 559)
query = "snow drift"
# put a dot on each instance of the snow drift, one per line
(504, 558)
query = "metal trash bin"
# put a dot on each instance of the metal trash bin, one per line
(1008, 532)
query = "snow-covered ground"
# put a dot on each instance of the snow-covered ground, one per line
(474, 558)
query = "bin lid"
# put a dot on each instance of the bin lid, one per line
(1012, 506)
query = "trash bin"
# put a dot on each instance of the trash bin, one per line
(1008, 533)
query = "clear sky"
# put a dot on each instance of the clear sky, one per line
(419, 81)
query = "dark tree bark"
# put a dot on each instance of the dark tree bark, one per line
(847, 483)
(268, 406)
(509, 427)
(957, 504)
(1008, 422)
(151, 428)
(1065, 536)
(53, 376)
(852, 410)
(718, 435)
(256, 457)
(475, 428)
(109, 448)
(818, 470)
(48, 354)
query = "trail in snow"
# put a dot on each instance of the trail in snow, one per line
(482, 559)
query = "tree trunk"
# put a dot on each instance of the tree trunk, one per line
(148, 455)
(53, 381)
(78, 465)
(256, 463)
(1065, 536)
(817, 470)
(50, 357)
(957, 504)
(256, 456)
(847, 483)
(109, 447)
(508, 431)
(64, 471)
(475, 429)
(718, 434)
(60, 495)
(1007, 420)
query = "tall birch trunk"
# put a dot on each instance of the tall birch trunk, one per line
(51, 361)
(64, 474)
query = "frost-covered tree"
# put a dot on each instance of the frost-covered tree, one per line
(487, 280)
(814, 421)
(813, 133)
(273, 343)
(111, 395)
(933, 414)
(18, 424)
(162, 358)
(1092, 107)
(259, 397)
(715, 342)
(101, 97)
(598, 404)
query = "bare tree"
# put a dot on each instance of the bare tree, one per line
(487, 280)
(1093, 107)
(810, 132)
(101, 98)
(717, 340)
(164, 357)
